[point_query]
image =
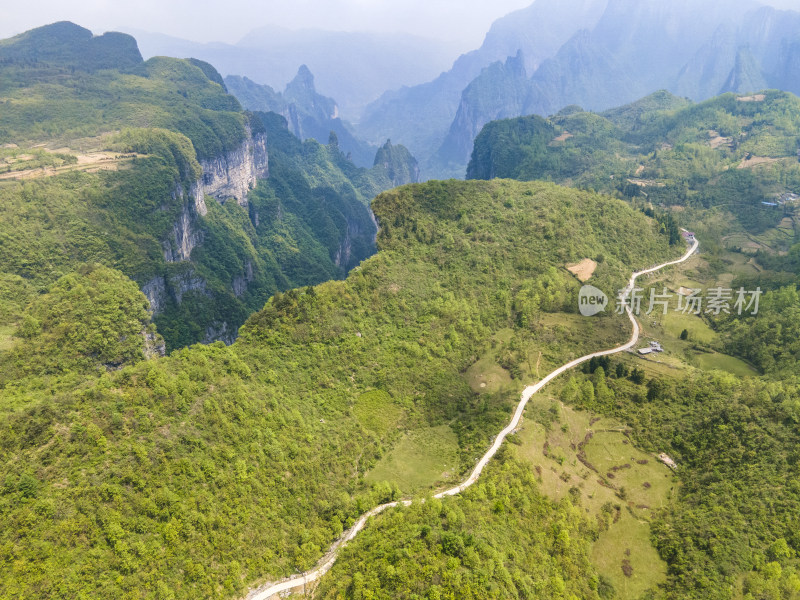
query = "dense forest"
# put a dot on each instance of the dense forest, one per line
(146, 477)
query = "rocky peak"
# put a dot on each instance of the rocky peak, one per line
(303, 81)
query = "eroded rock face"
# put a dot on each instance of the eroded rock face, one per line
(186, 282)
(234, 174)
(154, 346)
(160, 290)
(186, 235)
(219, 331)
(239, 284)
(156, 292)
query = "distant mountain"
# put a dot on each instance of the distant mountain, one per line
(636, 47)
(355, 68)
(69, 45)
(308, 113)
(420, 116)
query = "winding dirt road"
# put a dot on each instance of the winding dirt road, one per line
(324, 565)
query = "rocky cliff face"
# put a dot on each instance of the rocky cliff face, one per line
(186, 232)
(234, 174)
(160, 290)
(498, 92)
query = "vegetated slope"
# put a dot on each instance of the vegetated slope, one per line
(200, 473)
(502, 538)
(309, 114)
(731, 531)
(732, 152)
(151, 201)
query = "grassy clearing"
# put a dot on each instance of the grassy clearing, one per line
(486, 376)
(724, 362)
(578, 451)
(421, 459)
(376, 412)
(626, 545)
(6, 339)
(673, 323)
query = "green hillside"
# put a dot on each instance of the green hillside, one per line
(731, 152)
(101, 164)
(203, 472)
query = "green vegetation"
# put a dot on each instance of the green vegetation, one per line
(502, 538)
(418, 460)
(725, 153)
(203, 472)
(125, 191)
(91, 318)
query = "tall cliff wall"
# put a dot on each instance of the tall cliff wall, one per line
(234, 173)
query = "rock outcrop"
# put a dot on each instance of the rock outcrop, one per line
(161, 289)
(239, 284)
(186, 235)
(234, 173)
(398, 163)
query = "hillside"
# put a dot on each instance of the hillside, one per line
(200, 473)
(732, 153)
(153, 169)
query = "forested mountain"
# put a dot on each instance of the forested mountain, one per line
(202, 472)
(362, 343)
(309, 114)
(735, 152)
(728, 169)
(153, 169)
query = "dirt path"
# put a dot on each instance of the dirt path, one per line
(90, 162)
(301, 581)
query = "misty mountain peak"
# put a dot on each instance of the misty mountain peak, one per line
(304, 79)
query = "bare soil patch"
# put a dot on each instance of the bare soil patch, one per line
(754, 98)
(717, 141)
(90, 162)
(754, 161)
(583, 270)
(646, 183)
(563, 137)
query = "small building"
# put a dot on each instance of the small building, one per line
(688, 236)
(644, 351)
(656, 347)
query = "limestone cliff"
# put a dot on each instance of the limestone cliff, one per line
(186, 231)
(234, 173)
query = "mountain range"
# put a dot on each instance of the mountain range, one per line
(355, 68)
(608, 53)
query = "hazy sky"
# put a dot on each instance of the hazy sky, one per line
(229, 20)
(465, 21)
